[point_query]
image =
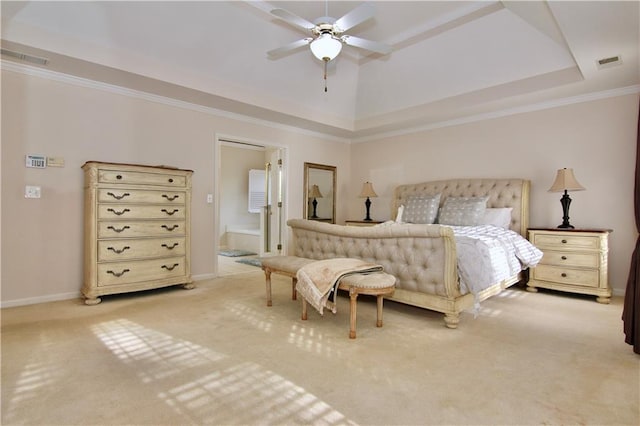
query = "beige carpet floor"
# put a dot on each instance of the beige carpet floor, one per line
(217, 355)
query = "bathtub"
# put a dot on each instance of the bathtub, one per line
(242, 237)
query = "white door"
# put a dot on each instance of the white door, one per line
(272, 216)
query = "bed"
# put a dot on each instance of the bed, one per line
(424, 257)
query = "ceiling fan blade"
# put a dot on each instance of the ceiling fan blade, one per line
(356, 16)
(281, 51)
(293, 19)
(362, 43)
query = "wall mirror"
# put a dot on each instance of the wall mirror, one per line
(319, 192)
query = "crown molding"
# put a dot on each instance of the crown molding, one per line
(137, 94)
(622, 91)
(111, 88)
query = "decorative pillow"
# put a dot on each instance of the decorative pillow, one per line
(500, 217)
(399, 215)
(462, 211)
(421, 209)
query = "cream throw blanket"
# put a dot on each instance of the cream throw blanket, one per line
(317, 279)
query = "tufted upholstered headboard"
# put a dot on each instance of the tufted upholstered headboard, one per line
(512, 193)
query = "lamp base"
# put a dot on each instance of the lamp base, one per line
(367, 204)
(566, 202)
(566, 226)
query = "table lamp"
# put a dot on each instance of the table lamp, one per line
(565, 181)
(367, 191)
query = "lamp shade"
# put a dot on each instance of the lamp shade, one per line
(565, 181)
(367, 190)
(326, 47)
(315, 192)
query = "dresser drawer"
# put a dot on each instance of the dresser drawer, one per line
(141, 178)
(118, 273)
(128, 211)
(575, 259)
(111, 250)
(566, 242)
(580, 277)
(133, 229)
(116, 195)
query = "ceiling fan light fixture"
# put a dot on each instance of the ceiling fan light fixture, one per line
(326, 47)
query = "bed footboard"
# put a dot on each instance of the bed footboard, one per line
(421, 257)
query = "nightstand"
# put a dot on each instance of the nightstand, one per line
(362, 222)
(575, 260)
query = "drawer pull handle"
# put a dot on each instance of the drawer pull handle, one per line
(118, 229)
(170, 180)
(564, 241)
(116, 251)
(118, 213)
(170, 248)
(118, 274)
(170, 197)
(118, 197)
(170, 268)
(170, 213)
(119, 177)
(563, 275)
(564, 258)
(170, 229)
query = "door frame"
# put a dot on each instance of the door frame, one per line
(218, 140)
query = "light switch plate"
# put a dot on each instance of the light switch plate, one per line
(32, 191)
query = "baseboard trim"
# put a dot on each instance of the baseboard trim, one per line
(71, 295)
(39, 299)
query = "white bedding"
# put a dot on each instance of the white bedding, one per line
(488, 254)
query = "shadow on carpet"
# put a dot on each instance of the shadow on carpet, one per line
(252, 261)
(236, 253)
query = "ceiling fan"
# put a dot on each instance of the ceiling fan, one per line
(327, 34)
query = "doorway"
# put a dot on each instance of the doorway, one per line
(250, 204)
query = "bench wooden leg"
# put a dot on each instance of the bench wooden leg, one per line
(304, 309)
(294, 293)
(267, 274)
(353, 303)
(379, 319)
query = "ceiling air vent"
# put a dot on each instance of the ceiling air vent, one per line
(24, 57)
(611, 61)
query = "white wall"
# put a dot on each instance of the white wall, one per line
(597, 139)
(42, 239)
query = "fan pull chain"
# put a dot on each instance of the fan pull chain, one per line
(325, 76)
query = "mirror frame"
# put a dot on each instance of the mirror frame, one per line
(313, 166)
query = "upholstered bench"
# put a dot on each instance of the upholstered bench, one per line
(378, 284)
(283, 265)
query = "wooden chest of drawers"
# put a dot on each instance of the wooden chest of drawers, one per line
(574, 261)
(136, 228)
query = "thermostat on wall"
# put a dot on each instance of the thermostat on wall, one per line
(37, 161)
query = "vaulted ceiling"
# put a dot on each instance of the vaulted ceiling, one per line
(451, 60)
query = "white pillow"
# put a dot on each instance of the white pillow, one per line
(399, 215)
(500, 217)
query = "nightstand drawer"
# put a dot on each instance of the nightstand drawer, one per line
(566, 242)
(575, 259)
(581, 277)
